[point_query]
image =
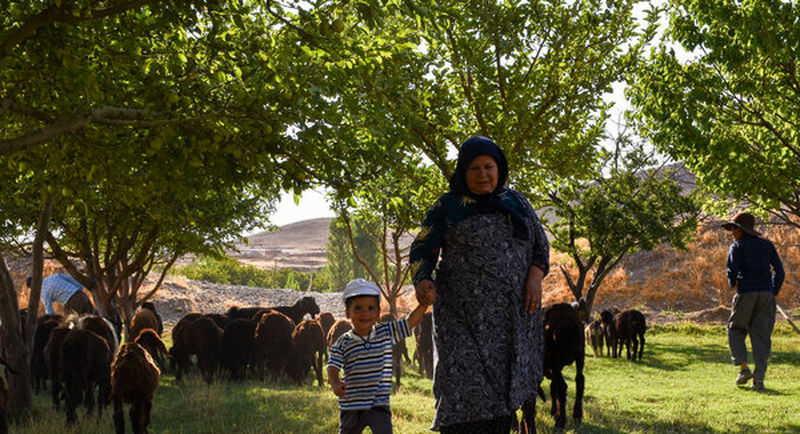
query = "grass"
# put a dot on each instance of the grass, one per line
(683, 384)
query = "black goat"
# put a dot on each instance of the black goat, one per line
(296, 312)
(563, 346)
(609, 332)
(631, 326)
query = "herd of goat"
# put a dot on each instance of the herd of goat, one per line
(82, 356)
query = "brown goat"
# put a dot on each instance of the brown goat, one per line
(340, 327)
(134, 378)
(147, 305)
(308, 345)
(326, 320)
(203, 338)
(143, 319)
(150, 341)
(179, 361)
(273, 343)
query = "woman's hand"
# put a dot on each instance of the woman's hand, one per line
(426, 292)
(533, 289)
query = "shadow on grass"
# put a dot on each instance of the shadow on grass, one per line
(605, 421)
(672, 358)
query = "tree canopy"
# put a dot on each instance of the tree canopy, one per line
(721, 93)
(630, 204)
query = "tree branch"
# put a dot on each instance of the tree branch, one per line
(107, 114)
(55, 14)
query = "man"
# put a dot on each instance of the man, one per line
(65, 290)
(755, 270)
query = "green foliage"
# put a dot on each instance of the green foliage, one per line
(729, 108)
(342, 265)
(628, 205)
(229, 271)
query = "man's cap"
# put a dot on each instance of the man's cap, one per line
(360, 287)
(744, 221)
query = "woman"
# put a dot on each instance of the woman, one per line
(487, 292)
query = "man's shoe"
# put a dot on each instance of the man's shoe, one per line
(744, 376)
(758, 386)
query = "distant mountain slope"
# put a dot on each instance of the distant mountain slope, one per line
(299, 245)
(306, 234)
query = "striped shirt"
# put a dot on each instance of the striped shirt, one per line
(367, 364)
(58, 287)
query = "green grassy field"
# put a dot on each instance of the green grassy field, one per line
(685, 383)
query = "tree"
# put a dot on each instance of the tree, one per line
(628, 206)
(391, 203)
(342, 266)
(529, 75)
(158, 129)
(729, 107)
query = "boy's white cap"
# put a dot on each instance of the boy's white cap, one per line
(360, 287)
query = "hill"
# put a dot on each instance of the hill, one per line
(299, 245)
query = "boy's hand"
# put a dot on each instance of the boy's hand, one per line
(339, 388)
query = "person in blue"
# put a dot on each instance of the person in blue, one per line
(364, 354)
(755, 270)
(486, 292)
(65, 290)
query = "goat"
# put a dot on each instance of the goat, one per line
(424, 352)
(306, 305)
(143, 319)
(563, 346)
(594, 337)
(150, 341)
(609, 332)
(238, 342)
(52, 356)
(39, 371)
(340, 327)
(631, 326)
(179, 361)
(134, 378)
(147, 305)
(308, 345)
(85, 362)
(203, 338)
(273, 343)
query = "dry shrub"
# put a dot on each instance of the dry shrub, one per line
(671, 279)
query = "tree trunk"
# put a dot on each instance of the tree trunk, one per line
(17, 353)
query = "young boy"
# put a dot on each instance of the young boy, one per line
(365, 354)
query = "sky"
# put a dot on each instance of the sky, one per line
(312, 205)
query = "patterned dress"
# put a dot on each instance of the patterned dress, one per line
(488, 348)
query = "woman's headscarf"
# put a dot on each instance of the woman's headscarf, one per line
(490, 202)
